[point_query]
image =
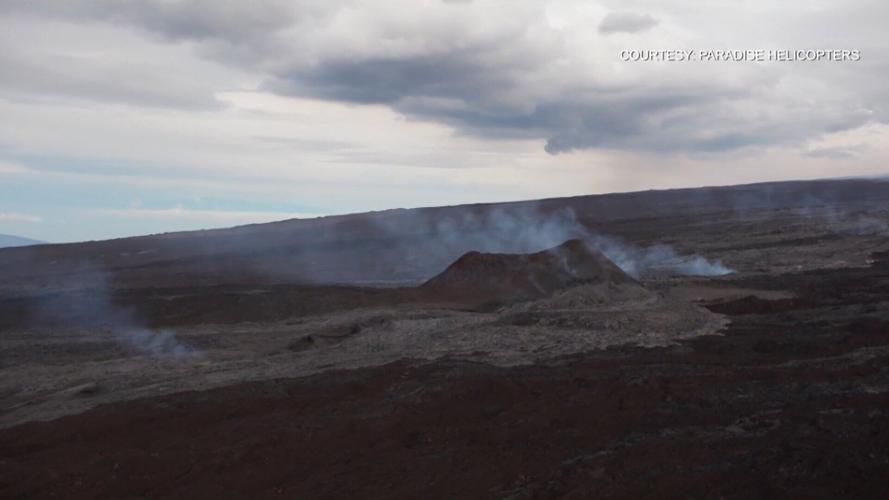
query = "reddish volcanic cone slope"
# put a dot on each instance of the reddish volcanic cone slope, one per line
(505, 277)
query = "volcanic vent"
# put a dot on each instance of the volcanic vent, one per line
(507, 277)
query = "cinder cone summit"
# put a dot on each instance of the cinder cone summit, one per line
(493, 276)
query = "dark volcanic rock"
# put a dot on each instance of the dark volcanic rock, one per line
(524, 276)
(787, 403)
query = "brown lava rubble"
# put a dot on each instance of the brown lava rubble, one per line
(480, 276)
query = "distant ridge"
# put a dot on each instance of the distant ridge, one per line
(8, 240)
(398, 246)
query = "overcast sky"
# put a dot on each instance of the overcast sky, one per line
(125, 117)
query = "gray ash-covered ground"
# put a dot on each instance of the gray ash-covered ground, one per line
(307, 391)
(502, 309)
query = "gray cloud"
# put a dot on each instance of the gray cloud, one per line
(381, 80)
(177, 19)
(627, 22)
(516, 76)
(459, 89)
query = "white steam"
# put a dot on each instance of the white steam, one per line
(520, 229)
(656, 259)
(844, 222)
(155, 342)
(89, 304)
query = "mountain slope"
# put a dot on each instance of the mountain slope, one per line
(408, 246)
(8, 240)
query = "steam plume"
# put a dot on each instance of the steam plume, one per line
(525, 230)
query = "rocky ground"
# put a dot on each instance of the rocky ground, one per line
(60, 370)
(772, 381)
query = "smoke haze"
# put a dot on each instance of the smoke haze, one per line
(89, 305)
(525, 229)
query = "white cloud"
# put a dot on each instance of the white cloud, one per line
(19, 217)
(12, 168)
(57, 60)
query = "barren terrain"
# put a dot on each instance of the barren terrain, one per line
(737, 347)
